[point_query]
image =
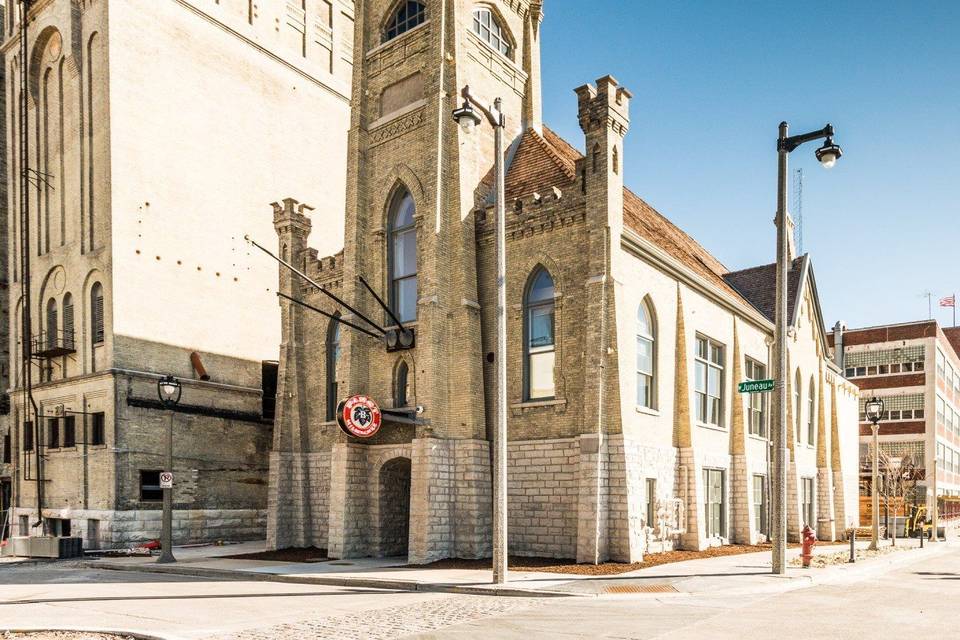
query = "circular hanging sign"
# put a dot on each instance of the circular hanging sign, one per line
(359, 416)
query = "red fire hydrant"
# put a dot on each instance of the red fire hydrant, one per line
(809, 540)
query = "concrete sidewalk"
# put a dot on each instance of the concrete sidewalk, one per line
(746, 573)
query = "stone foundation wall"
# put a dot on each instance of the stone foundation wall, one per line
(104, 529)
(298, 500)
(543, 479)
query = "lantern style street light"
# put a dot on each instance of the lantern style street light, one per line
(827, 155)
(169, 391)
(468, 119)
(874, 411)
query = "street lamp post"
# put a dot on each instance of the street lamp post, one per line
(827, 155)
(874, 410)
(169, 390)
(467, 117)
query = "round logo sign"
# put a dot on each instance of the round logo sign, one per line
(359, 416)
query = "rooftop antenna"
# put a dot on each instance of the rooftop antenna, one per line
(929, 296)
(798, 190)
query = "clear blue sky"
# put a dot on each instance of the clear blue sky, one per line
(711, 82)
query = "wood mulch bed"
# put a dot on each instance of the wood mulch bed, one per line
(553, 565)
(295, 554)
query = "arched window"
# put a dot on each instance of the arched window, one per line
(68, 321)
(646, 357)
(403, 257)
(402, 385)
(539, 343)
(616, 161)
(52, 324)
(797, 407)
(96, 314)
(407, 16)
(811, 412)
(333, 358)
(486, 26)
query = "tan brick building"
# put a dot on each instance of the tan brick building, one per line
(625, 337)
(153, 124)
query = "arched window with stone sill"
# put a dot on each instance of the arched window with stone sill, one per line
(405, 16)
(646, 356)
(539, 339)
(402, 256)
(333, 359)
(488, 28)
(798, 407)
(401, 385)
(52, 328)
(811, 412)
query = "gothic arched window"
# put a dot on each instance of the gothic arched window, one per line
(68, 320)
(539, 343)
(402, 385)
(486, 25)
(333, 358)
(797, 407)
(407, 15)
(402, 258)
(96, 314)
(811, 412)
(52, 324)
(646, 357)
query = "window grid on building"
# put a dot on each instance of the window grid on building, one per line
(757, 401)
(759, 503)
(884, 356)
(899, 407)
(486, 26)
(646, 357)
(709, 381)
(807, 502)
(713, 503)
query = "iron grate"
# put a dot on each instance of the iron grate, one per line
(641, 588)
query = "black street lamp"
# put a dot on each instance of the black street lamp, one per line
(874, 412)
(169, 391)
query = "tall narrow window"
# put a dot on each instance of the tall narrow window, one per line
(652, 503)
(797, 407)
(760, 503)
(540, 345)
(403, 257)
(757, 421)
(486, 25)
(616, 161)
(52, 328)
(646, 357)
(96, 314)
(708, 371)
(7, 454)
(28, 436)
(402, 385)
(806, 499)
(68, 321)
(69, 431)
(811, 412)
(53, 440)
(713, 503)
(333, 359)
(406, 16)
(98, 428)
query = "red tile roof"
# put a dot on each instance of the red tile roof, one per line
(541, 162)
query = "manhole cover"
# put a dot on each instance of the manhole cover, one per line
(641, 588)
(342, 564)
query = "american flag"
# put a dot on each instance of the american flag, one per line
(949, 301)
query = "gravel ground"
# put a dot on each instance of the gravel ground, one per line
(62, 635)
(843, 557)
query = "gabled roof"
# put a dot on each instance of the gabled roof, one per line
(758, 286)
(541, 162)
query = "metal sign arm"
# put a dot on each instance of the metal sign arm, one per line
(385, 307)
(329, 315)
(316, 284)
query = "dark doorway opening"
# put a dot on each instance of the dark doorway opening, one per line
(5, 511)
(395, 507)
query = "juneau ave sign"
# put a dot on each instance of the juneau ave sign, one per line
(756, 386)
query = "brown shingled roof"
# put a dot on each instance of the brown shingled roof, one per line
(758, 286)
(541, 162)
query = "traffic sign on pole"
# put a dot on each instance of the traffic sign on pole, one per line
(166, 480)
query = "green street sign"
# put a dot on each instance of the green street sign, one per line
(756, 386)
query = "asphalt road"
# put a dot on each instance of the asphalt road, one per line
(918, 598)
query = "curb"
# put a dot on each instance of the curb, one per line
(366, 583)
(120, 634)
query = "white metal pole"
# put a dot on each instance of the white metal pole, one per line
(875, 490)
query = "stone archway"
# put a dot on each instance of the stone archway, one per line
(394, 503)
